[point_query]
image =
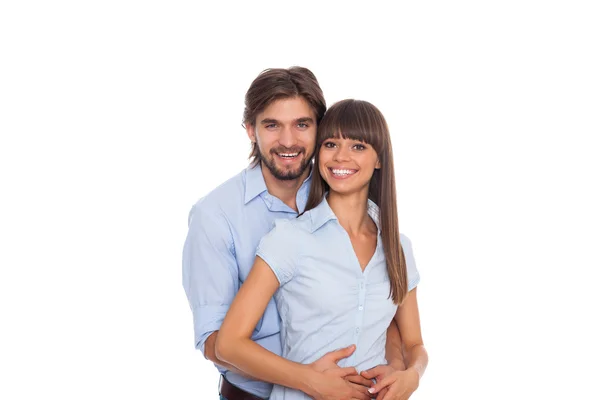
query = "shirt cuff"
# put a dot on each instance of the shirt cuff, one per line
(207, 319)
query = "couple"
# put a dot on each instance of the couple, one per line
(296, 272)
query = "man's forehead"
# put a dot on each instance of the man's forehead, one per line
(287, 110)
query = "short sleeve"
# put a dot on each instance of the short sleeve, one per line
(277, 248)
(413, 277)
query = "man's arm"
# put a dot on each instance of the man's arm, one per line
(210, 274)
(393, 347)
(210, 280)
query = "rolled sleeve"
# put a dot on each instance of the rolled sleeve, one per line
(277, 250)
(207, 319)
(413, 276)
(210, 272)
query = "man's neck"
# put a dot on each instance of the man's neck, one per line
(284, 190)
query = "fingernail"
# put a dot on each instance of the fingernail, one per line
(371, 390)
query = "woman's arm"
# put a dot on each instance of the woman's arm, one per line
(235, 346)
(409, 324)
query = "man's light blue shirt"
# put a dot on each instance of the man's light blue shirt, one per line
(325, 300)
(225, 228)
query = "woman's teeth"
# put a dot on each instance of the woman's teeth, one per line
(342, 172)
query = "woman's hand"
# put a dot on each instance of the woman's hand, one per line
(392, 384)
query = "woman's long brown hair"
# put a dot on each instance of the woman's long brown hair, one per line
(362, 121)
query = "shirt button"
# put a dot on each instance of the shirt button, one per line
(362, 285)
(360, 308)
(357, 330)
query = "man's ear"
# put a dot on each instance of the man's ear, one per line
(251, 133)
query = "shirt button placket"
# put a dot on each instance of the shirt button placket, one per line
(361, 307)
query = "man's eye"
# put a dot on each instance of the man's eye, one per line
(302, 125)
(270, 126)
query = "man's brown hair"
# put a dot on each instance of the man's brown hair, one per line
(276, 84)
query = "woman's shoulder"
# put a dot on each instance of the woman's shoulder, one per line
(285, 241)
(405, 240)
(289, 228)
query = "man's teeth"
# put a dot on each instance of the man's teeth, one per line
(290, 155)
(342, 171)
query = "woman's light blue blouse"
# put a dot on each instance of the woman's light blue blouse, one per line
(325, 300)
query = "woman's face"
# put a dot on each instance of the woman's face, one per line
(347, 165)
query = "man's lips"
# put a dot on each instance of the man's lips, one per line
(288, 156)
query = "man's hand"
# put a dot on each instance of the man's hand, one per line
(361, 383)
(392, 384)
(329, 382)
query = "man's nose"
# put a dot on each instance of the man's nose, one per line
(287, 137)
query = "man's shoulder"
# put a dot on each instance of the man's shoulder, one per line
(225, 198)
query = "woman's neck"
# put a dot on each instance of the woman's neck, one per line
(351, 211)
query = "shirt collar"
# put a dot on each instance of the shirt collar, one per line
(322, 214)
(255, 183)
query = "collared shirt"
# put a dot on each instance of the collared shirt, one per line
(224, 230)
(325, 300)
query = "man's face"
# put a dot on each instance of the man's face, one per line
(285, 133)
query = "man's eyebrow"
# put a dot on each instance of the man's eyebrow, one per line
(297, 121)
(305, 119)
(269, 121)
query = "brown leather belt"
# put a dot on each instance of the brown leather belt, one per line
(231, 392)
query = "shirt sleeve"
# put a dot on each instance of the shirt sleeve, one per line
(277, 249)
(210, 270)
(413, 277)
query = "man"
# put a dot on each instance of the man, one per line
(282, 110)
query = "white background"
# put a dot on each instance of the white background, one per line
(116, 116)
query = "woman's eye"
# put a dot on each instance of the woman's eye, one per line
(329, 145)
(359, 146)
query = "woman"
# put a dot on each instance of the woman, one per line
(338, 272)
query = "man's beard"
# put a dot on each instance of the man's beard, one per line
(285, 175)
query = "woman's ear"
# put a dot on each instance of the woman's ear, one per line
(378, 164)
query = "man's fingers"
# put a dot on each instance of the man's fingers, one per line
(344, 372)
(360, 392)
(337, 355)
(359, 380)
(373, 372)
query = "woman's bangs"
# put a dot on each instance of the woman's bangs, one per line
(350, 120)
